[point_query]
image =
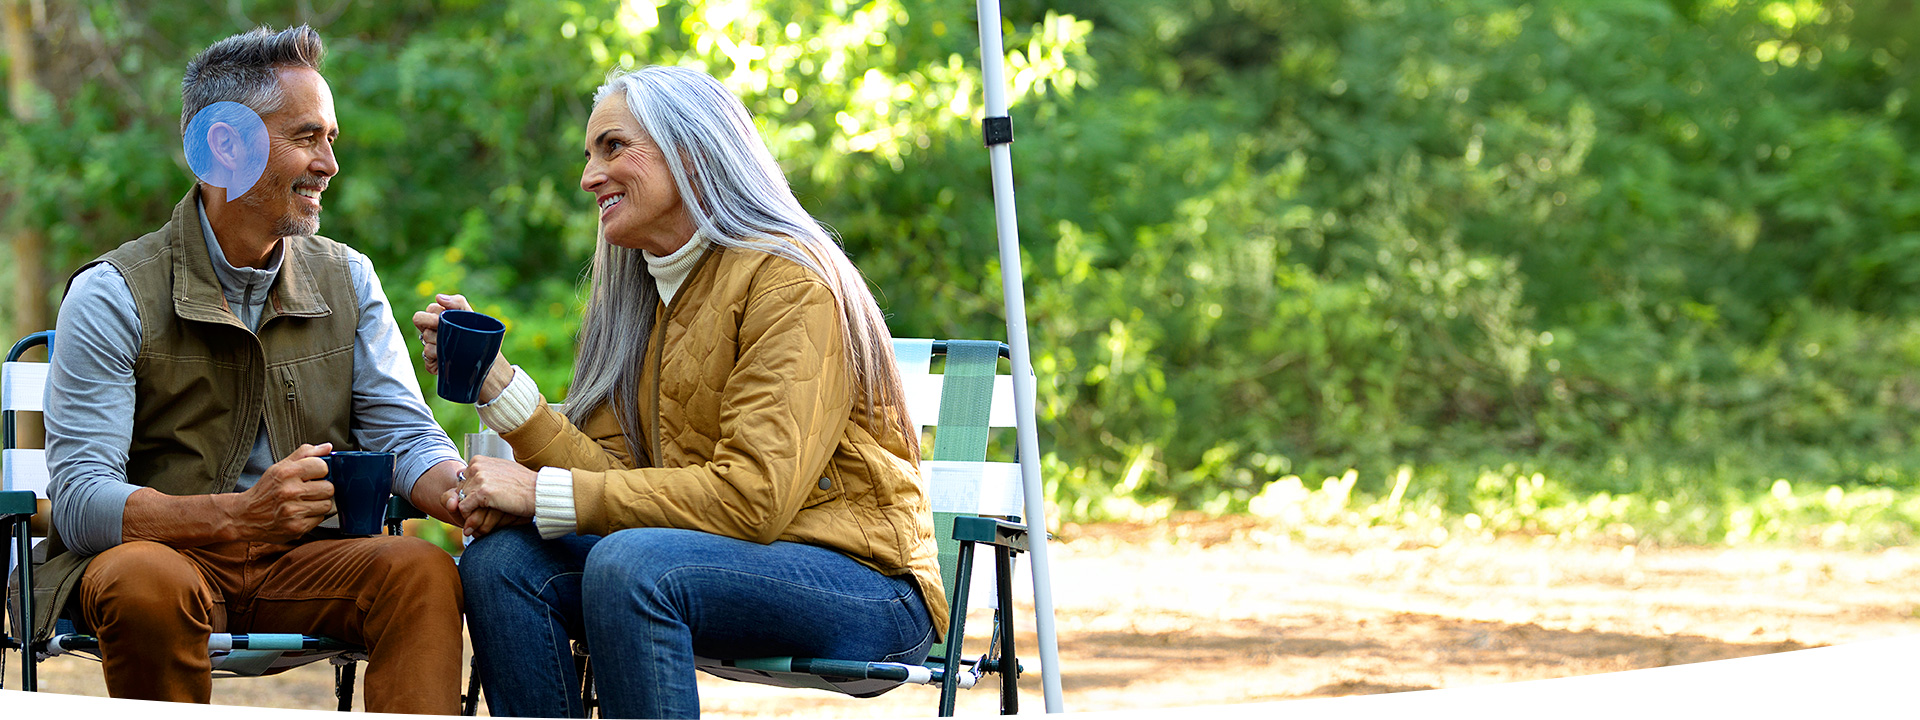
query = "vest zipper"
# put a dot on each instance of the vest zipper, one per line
(293, 408)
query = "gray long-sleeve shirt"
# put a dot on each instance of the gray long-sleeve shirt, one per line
(90, 393)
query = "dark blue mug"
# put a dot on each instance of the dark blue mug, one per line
(362, 482)
(468, 343)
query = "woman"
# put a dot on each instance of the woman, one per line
(735, 475)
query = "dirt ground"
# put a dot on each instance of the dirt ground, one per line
(1210, 611)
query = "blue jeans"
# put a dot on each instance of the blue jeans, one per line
(647, 600)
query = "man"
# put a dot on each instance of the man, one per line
(200, 374)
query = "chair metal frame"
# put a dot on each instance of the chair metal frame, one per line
(17, 508)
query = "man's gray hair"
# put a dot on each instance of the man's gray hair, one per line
(739, 199)
(241, 69)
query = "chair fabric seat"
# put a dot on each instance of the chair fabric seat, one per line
(861, 680)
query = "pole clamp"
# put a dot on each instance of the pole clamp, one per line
(997, 130)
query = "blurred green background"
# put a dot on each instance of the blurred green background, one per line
(1643, 270)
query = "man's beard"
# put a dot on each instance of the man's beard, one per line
(293, 223)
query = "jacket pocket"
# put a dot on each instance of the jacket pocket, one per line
(317, 394)
(830, 486)
(297, 421)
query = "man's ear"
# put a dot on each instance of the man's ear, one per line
(224, 143)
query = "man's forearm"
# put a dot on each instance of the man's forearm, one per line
(430, 491)
(178, 521)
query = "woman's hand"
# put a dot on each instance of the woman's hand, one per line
(492, 483)
(428, 322)
(487, 520)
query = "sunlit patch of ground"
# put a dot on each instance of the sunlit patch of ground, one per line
(1225, 611)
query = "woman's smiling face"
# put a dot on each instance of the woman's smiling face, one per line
(640, 207)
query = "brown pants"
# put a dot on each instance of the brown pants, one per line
(153, 606)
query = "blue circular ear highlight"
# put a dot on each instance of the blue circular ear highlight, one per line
(242, 157)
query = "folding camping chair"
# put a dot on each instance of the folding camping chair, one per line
(23, 513)
(975, 503)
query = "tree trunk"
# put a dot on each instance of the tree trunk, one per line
(21, 88)
(31, 311)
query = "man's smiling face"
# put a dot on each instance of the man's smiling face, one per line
(300, 158)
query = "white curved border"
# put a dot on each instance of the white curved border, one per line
(1862, 679)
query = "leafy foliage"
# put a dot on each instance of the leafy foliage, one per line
(1466, 233)
(1651, 249)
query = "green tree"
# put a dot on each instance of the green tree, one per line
(1663, 247)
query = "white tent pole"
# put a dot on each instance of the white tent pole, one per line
(999, 152)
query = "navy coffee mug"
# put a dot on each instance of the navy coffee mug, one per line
(468, 343)
(362, 482)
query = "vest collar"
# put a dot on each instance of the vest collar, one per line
(197, 294)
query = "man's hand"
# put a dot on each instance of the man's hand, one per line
(482, 520)
(291, 498)
(487, 520)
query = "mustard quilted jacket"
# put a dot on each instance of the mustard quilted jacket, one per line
(752, 430)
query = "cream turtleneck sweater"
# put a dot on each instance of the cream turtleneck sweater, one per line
(670, 271)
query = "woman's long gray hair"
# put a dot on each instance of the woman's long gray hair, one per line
(738, 198)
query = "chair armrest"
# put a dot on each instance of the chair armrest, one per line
(399, 509)
(992, 531)
(17, 502)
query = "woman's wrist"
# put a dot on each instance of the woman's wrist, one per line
(511, 407)
(498, 376)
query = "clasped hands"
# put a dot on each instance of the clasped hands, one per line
(491, 493)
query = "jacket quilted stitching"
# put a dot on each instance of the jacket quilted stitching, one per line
(750, 422)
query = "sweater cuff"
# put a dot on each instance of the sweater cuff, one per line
(553, 512)
(513, 405)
